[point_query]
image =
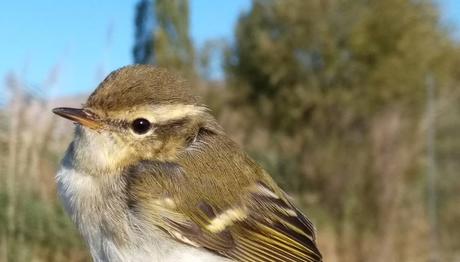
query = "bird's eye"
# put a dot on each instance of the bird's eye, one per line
(140, 126)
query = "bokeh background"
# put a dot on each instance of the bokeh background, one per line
(352, 105)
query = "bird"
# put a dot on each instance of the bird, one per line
(150, 175)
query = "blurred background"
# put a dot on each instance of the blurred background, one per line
(352, 105)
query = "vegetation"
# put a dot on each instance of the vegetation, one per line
(339, 99)
(340, 89)
(33, 225)
(162, 35)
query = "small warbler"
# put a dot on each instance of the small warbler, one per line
(151, 176)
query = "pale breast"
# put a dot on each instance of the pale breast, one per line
(111, 232)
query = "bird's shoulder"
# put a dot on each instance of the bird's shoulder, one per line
(243, 216)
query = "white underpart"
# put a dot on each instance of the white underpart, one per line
(91, 202)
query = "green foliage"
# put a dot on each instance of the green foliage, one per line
(293, 52)
(339, 88)
(43, 231)
(162, 34)
(143, 45)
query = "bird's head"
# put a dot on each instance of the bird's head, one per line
(138, 112)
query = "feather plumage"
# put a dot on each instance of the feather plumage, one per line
(252, 220)
(182, 190)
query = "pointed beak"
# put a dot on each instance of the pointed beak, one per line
(79, 116)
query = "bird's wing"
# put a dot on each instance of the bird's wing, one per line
(252, 221)
(263, 227)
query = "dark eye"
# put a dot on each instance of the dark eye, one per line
(140, 126)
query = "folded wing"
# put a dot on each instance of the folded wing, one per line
(263, 227)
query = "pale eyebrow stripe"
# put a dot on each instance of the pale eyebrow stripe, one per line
(168, 113)
(159, 114)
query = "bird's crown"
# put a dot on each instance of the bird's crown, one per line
(139, 85)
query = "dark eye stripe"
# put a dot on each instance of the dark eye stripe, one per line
(175, 123)
(117, 123)
(164, 126)
(170, 126)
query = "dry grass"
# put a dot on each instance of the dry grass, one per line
(33, 226)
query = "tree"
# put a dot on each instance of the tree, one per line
(145, 24)
(303, 47)
(162, 34)
(340, 87)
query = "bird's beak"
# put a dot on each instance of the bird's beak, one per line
(79, 116)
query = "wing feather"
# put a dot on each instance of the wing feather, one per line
(256, 223)
(271, 229)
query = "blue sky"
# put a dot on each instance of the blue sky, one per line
(87, 39)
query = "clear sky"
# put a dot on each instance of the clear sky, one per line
(87, 39)
(451, 15)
